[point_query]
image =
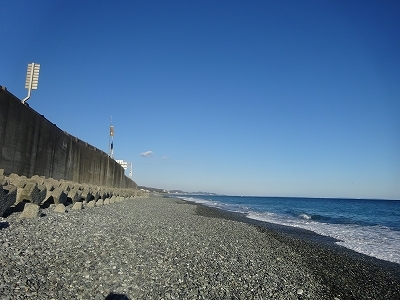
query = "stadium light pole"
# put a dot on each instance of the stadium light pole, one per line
(32, 79)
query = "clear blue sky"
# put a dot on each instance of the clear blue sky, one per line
(275, 98)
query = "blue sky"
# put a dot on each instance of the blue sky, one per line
(274, 98)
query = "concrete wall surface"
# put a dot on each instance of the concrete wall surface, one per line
(32, 145)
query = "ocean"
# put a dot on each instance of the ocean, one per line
(371, 227)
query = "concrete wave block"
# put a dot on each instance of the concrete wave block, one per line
(39, 179)
(91, 203)
(31, 210)
(86, 194)
(50, 184)
(15, 178)
(42, 194)
(60, 208)
(75, 195)
(106, 201)
(96, 195)
(31, 191)
(2, 177)
(8, 195)
(59, 195)
(49, 193)
(65, 186)
(103, 195)
(100, 202)
(77, 206)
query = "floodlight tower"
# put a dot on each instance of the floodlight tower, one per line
(32, 79)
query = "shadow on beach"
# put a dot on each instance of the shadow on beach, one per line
(113, 296)
(4, 225)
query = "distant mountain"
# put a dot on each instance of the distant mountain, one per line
(203, 193)
(157, 190)
(154, 190)
(177, 192)
(192, 193)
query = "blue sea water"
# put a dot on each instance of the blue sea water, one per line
(371, 227)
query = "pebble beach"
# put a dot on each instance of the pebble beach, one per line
(166, 248)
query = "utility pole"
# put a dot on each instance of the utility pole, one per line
(111, 140)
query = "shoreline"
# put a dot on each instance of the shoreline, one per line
(159, 247)
(327, 259)
(367, 227)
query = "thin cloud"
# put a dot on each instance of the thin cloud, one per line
(146, 154)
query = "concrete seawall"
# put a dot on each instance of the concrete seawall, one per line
(32, 145)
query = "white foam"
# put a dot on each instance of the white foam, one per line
(377, 241)
(212, 203)
(305, 216)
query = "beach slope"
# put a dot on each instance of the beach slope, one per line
(165, 248)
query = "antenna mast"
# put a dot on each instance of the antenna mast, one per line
(111, 140)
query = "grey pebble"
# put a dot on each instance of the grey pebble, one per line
(147, 248)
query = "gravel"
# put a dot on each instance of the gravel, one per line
(153, 248)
